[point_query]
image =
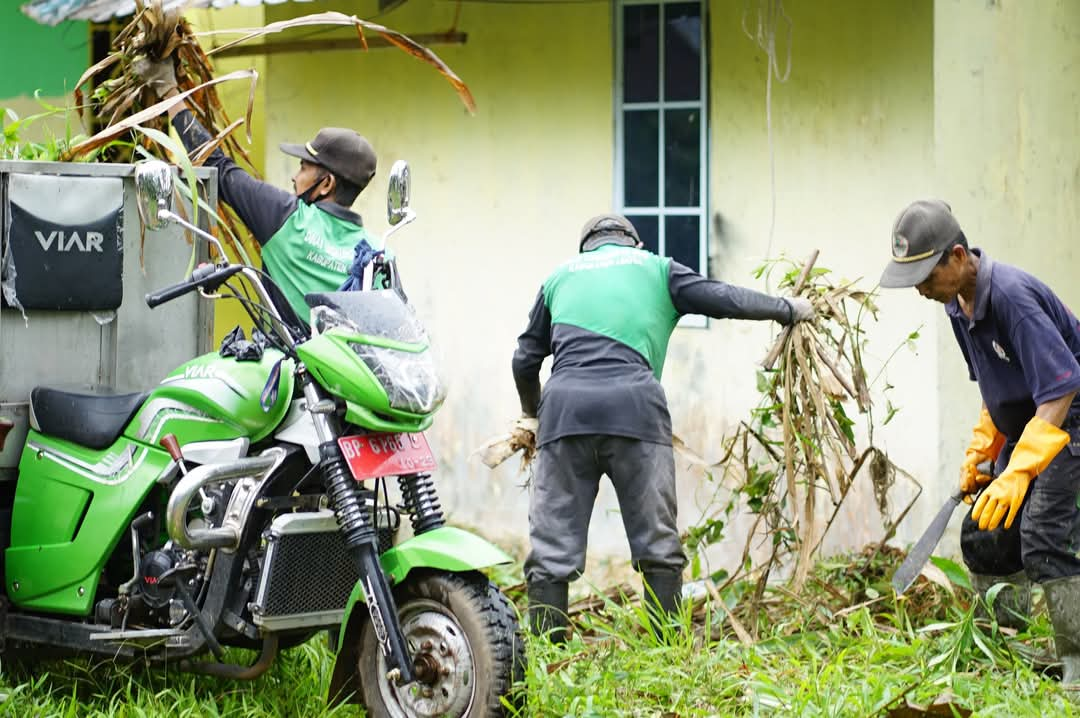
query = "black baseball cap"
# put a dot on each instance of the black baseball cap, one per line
(924, 230)
(344, 152)
(607, 224)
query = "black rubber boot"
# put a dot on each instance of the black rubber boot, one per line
(1012, 606)
(663, 590)
(547, 609)
(1063, 602)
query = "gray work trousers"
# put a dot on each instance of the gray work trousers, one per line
(564, 488)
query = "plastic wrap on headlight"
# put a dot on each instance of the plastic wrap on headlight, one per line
(385, 332)
(409, 378)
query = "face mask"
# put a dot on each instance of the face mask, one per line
(307, 196)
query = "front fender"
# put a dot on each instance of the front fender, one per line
(446, 548)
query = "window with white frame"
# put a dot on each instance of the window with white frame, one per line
(661, 129)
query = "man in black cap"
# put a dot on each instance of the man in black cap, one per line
(309, 237)
(607, 315)
(1022, 346)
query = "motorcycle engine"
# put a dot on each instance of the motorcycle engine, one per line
(155, 592)
(156, 598)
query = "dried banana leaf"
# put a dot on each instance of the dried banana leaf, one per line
(395, 38)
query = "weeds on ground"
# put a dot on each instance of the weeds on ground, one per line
(827, 651)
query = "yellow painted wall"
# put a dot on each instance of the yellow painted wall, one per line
(502, 195)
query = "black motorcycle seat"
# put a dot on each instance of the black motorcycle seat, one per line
(94, 419)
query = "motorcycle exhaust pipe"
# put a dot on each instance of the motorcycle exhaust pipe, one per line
(226, 536)
(234, 671)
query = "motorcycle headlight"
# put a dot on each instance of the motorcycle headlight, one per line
(410, 379)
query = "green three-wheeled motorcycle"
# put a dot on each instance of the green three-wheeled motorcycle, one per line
(246, 500)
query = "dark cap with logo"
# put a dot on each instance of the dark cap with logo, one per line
(924, 230)
(343, 152)
(606, 225)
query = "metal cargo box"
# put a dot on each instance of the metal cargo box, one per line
(75, 272)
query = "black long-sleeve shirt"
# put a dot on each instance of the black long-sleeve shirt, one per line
(599, 385)
(262, 207)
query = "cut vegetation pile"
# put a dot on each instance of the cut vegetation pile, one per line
(793, 463)
(121, 101)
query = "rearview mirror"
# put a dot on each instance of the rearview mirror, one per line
(153, 192)
(397, 193)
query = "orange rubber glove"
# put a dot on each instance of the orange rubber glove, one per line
(986, 443)
(1037, 447)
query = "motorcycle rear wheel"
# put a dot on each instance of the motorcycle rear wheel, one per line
(465, 639)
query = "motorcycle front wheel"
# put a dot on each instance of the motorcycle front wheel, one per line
(464, 637)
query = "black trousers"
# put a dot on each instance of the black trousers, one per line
(564, 490)
(1045, 538)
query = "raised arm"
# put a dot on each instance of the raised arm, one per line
(692, 293)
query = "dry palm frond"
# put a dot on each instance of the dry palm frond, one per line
(393, 37)
(799, 453)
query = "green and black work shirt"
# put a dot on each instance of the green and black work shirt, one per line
(607, 315)
(305, 248)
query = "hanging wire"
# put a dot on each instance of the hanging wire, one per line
(770, 16)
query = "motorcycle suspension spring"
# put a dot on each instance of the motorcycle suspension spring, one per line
(418, 495)
(344, 497)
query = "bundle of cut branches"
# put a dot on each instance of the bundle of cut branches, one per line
(800, 447)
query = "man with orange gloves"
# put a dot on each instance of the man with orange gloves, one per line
(1022, 346)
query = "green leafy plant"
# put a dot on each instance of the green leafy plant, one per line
(33, 138)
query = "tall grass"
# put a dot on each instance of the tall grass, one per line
(870, 661)
(829, 651)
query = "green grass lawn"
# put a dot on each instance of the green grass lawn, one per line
(838, 648)
(295, 685)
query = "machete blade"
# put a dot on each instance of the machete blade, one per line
(912, 566)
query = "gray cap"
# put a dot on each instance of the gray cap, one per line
(604, 225)
(344, 152)
(924, 230)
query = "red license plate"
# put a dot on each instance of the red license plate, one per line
(374, 455)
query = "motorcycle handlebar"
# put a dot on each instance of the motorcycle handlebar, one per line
(207, 275)
(168, 294)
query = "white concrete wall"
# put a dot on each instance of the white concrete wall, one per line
(852, 135)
